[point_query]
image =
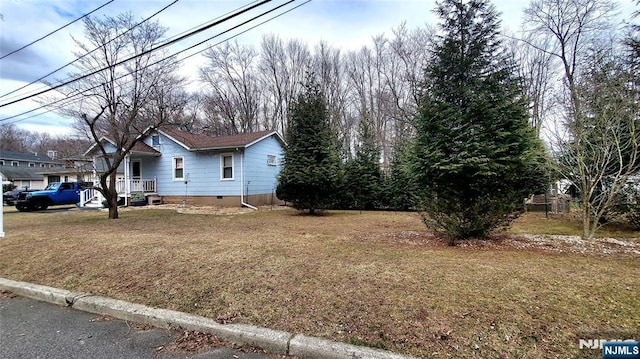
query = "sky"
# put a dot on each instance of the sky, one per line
(346, 24)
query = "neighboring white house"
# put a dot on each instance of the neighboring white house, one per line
(181, 167)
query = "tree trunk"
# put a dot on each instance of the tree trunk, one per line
(588, 224)
(112, 199)
(112, 202)
(110, 194)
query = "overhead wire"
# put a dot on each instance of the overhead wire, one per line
(56, 30)
(71, 100)
(86, 54)
(97, 48)
(162, 45)
(147, 66)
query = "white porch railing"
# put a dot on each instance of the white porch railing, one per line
(86, 195)
(137, 185)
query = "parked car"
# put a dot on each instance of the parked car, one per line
(10, 197)
(55, 193)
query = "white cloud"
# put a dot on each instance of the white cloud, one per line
(348, 24)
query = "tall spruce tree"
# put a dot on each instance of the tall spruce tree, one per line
(310, 174)
(475, 157)
(363, 177)
(401, 190)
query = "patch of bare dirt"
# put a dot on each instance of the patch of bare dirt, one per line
(215, 210)
(191, 341)
(7, 294)
(551, 243)
(575, 244)
(196, 341)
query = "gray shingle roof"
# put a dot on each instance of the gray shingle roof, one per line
(21, 173)
(141, 147)
(25, 156)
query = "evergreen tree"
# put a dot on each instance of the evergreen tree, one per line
(363, 177)
(475, 157)
(310, 174)
(401, 190)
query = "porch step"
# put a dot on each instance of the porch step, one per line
(93, 204)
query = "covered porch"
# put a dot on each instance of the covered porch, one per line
(129, 177)
(125, 187)
(147, 187)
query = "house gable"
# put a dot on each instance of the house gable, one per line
(110, 147)
(93, 150)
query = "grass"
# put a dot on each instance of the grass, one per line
(377, 278)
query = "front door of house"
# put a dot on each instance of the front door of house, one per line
(136, 175)
(136, 169)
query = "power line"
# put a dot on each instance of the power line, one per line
(58, 29)
(108, 42)
(156, 62)
(81, 57)
(71, 100)
(75, 99)
(140, 54)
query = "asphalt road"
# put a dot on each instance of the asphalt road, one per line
(32, 329)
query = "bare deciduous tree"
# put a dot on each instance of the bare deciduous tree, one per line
(592, 143)
(601, 152)
(536, 68)
(283, 66)
(234, 98)
(121, 102)
(571, 26)
(13, 138)
(328, 66)
(378, 82)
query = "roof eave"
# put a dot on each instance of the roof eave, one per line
(267, 136)
(175, 140)
(103, 138)
(218, 148)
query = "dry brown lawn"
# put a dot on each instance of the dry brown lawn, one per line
(372, 278)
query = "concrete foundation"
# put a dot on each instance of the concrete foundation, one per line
(224, 201)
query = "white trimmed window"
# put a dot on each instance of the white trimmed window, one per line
(178, 168)
(15, 163)
(226, 166)
(272, 160)
(31, 164)
(42, 165)
(155, 140)
(1, 162)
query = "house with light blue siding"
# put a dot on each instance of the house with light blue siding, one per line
(184, 168)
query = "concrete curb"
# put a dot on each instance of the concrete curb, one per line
(310, 347)
(274, 341)
(40, 292)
